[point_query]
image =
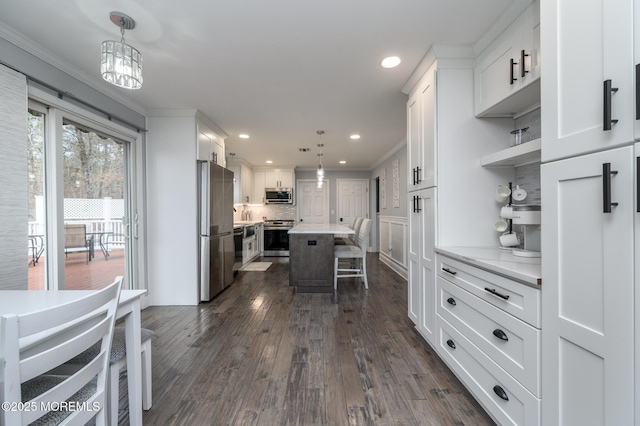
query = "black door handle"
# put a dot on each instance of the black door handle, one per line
(606, 187)
(523, 71)
(512, 78)
(451, 301)
(500, 334)
(493, 291)
(608, 90)
(500, 392)
(451, 344)
(449, 271)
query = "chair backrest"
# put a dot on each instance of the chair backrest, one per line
(356, 227)
(37, 342)
(353, 223)
(362, 238)
(75, 235)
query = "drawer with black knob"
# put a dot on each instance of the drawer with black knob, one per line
(506, 400)
(519, 300)
(513, 344)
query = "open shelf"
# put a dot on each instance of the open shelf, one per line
(519, 155)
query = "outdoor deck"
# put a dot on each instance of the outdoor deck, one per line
(98, 273)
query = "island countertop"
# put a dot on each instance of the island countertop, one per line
(321, 228)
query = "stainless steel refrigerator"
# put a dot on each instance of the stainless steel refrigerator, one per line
(217, 250)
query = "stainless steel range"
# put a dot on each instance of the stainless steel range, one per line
(276, 237)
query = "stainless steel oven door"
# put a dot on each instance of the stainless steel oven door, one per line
(276, 241)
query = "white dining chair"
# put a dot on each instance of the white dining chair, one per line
(118, 361)
(38, 342)
(349, 239)
(357, 253)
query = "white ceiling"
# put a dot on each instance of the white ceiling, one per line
(277, 70)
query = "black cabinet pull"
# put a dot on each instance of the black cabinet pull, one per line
(638, 184)
(451, 301)
(511, 77)
(523, 71)
(606, 187)
(493, 291)
(418, 170)
(414, 175)
(449, 271)
(608, 90)
(638, 92)
(500, 392)
(500, 334)
(451, 344)
(418, 209)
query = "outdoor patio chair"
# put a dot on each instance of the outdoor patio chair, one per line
(75, 239)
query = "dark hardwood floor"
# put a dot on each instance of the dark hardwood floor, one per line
(259, 354)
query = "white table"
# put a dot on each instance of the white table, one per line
(24, 301)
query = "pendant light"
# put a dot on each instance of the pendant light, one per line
(320, 171)
(121, 64)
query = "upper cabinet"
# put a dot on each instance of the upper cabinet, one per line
(588, 93)
(279, 178)
(210, 146)
(421, 134)
(507, 73)
(242, 182)
(271, 178)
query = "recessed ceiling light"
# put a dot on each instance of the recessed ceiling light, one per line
(269, 162)
(343, 162)
(243, 136)
(390, 62)
(355, 136)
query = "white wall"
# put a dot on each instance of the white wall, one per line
(172, 227)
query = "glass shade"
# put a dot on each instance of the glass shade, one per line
(121, 65)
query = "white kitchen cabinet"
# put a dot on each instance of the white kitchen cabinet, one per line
(210, 146)
(421, 256)
(421, 134)
(258, 186)
(487, 332)
(580, 56)
(243, 181)
(279, 179)
(507, 73)
(588, 295)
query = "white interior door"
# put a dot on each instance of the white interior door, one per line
(353, 199)
(313, 202)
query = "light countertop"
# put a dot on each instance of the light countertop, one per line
(321, 228)
(524, 269)
(246, 222)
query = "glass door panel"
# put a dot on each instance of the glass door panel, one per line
(36, 222)
(95, 206)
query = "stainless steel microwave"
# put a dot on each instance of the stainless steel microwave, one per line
(278, 195)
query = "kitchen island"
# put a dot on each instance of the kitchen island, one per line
(311, 256)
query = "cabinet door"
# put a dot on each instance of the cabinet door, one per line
(246, 184)
(421, 134)
(204, 147)
(421, 280)
(286, 179)
(427, 206)
(272, 179)
(587, 292)
(259, 184)
(413, 255)
(494, 71)
(636, 44)
(217, 154)
(579, 55)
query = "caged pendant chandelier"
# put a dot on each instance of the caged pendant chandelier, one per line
(121, 64)
(320, 171)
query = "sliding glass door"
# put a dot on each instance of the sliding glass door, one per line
(80, 202)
